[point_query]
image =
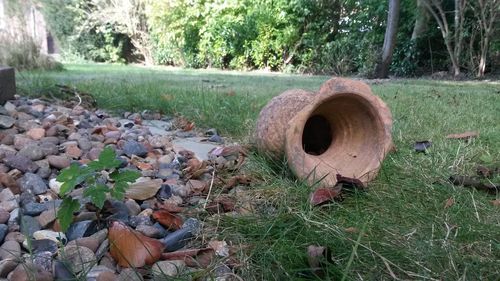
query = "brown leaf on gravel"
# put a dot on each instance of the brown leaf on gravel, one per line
(168, 220)
(324, 195)
(203, 258)
(130, 248)
(449, 202)
(197, 186)
(236, 180)
(169, 207)
(220, 247)
(463, 136)
(221, 204)
(181, 254)
(496, 202)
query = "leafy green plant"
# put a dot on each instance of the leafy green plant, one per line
(96, 191)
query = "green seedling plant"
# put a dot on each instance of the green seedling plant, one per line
(97, 192)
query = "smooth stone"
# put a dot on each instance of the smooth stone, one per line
(129, 274)
(7, 266)
(165, 192)
(133, 208)
(33, 182)
(81, 229)
(21, 141)
(43, 260)
(102, 249)
(49, 148)
(100, 273)
(4, 216)
(140, 220)
(158, 124)
(8, 200)
(43, 245)
(21, 163)
(58, 161)
(164, 269)
(120, 211)
(33, 152)
(134, 148)
(164, 173)
(62, 271)
(10, 250)
(58, 237)
(166, 159)
(36, 133)
(47, 217)
(6, 122)
(84, 144)
(150, 231)
(14, 215)
(87, 242)
(3, 231)
(158, 141)
(34, 208)
(51, 140)
(30, 272)
(55, 186)
(29, 225)
(79, 258)
(199, 149)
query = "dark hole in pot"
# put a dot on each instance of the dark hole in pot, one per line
(317, 135)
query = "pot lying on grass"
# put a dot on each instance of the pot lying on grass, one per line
(342, 129)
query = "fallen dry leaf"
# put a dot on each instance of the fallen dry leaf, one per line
(181, 254)
(324, 195)
(168, 220)
(169, 207)
(234, 181)
(197, 186)
(463, 136)
(203, 258)
(130, 248)
(349, 182)
(220, 247)
(486, 172)
(449, 202)
(496, 202)
(351, 230)
(317, 256)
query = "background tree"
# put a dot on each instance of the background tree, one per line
(452, 34)
(382, 68)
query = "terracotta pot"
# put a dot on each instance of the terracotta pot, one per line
(344, 129)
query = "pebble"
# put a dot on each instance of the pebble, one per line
(58, 237)
(49, 148)
(32, 152)
(43, 245)
(33, 182)
(165, 269)
(8, 201)
(36, 133)
(21, 163)
(81, 229)
(101, 273)
(6, 122)
(59, 161)
(43, 260)
(29, 225)
(29, 272)
(134, 148)
(88, 242)
(55, 186)
(34, 208)
(3, 231)
(10, 255)
(79, 258)
(133, 208)
(4, 216)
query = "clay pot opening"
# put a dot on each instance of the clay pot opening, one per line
(317, 136)
(351, 131)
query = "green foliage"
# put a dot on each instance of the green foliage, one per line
(87, 176)
(78, 35)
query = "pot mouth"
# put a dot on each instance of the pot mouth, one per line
(317, 136)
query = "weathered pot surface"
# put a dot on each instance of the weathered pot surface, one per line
(344, 129)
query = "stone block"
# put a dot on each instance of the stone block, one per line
(7, 84)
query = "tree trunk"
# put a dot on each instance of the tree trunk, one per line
(421, 21)
(382, 68)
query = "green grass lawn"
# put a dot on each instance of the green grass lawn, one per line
(399, 229)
